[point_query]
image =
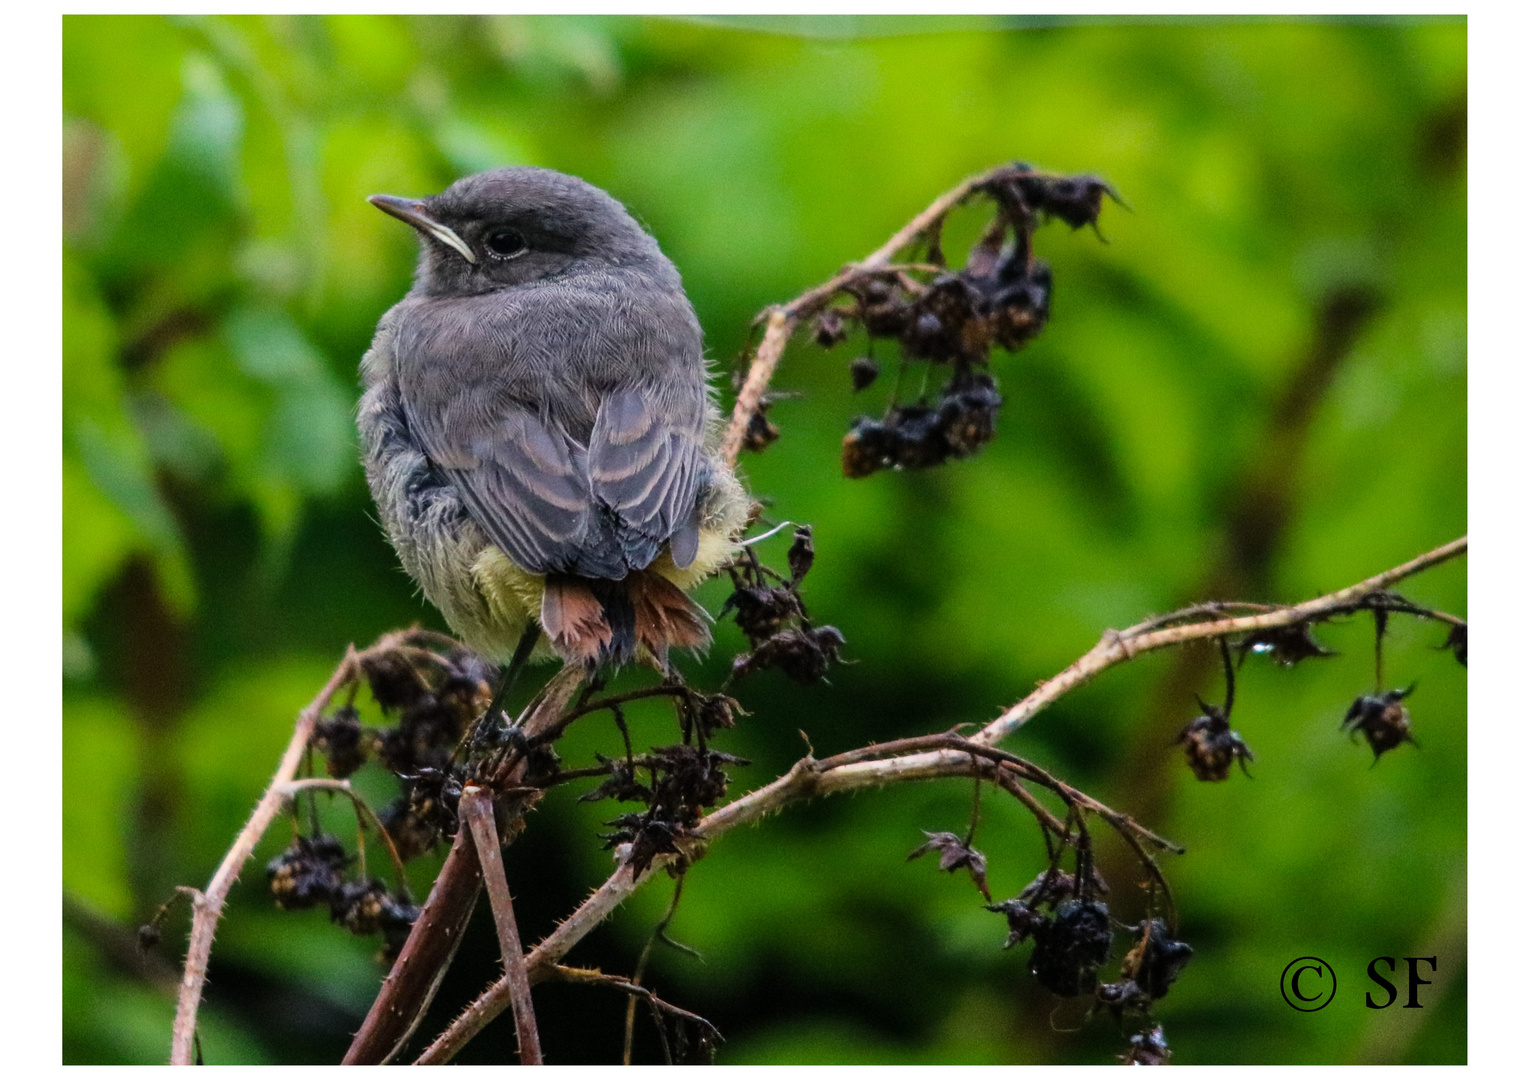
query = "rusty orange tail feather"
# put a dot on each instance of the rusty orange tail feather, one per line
(666, 617)
(605, 621)
(574, 620)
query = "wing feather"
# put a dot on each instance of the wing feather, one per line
(647, 474)
(555, 506)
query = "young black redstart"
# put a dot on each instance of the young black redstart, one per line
(537, 427)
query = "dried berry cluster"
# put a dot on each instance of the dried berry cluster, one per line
(1072, 942)
(1076, 939)
(312, 871)
(684, 780)
(1001, 297)
(436, 697)
(1072, 930)
(436, 701)
(917, 436)
(775, 619)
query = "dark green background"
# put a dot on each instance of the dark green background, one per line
(1255, 390)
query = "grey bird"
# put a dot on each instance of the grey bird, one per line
(537, 426)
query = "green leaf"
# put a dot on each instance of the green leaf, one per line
(100, 767)
(108, 460)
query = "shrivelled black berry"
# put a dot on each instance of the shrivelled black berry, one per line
(869, 447)
(1382, 719)
(1458, 635)
(761, 431)
(307, 873)
(339, 738)
(829, 329)
(649, 837)
(397, 920)
(968, 413)
(1123, 996)
(434, 795)
(884, 314)
(412, 833)
(1148, 1048)
(1070, 948)
(393, 680)
(1287, 645)
(1157, 959)
(360, 906)
(801, 554)
(1052, 887)
(1017, 296)
(862, 372)
(622, 784)
(1211, 746)
(1023, 919)
(467, 689)
(1076, 200)
(717, 711)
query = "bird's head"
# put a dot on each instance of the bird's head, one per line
(514, 226)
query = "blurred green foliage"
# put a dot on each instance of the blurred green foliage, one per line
(1256, 390)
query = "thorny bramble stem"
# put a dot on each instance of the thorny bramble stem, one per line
(477, 810)
(207, 905)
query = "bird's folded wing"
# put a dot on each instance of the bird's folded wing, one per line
(526, 484)
(647, 475)
(554, 506)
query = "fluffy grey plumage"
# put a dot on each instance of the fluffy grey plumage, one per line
(537, 406)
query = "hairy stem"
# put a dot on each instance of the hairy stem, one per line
(207, 905)
(477, 810)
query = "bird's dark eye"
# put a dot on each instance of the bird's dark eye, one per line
(504, 243)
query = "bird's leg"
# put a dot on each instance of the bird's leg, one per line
(507, 677)
(516, 663)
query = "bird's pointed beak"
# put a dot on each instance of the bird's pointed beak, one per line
(413, 212)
